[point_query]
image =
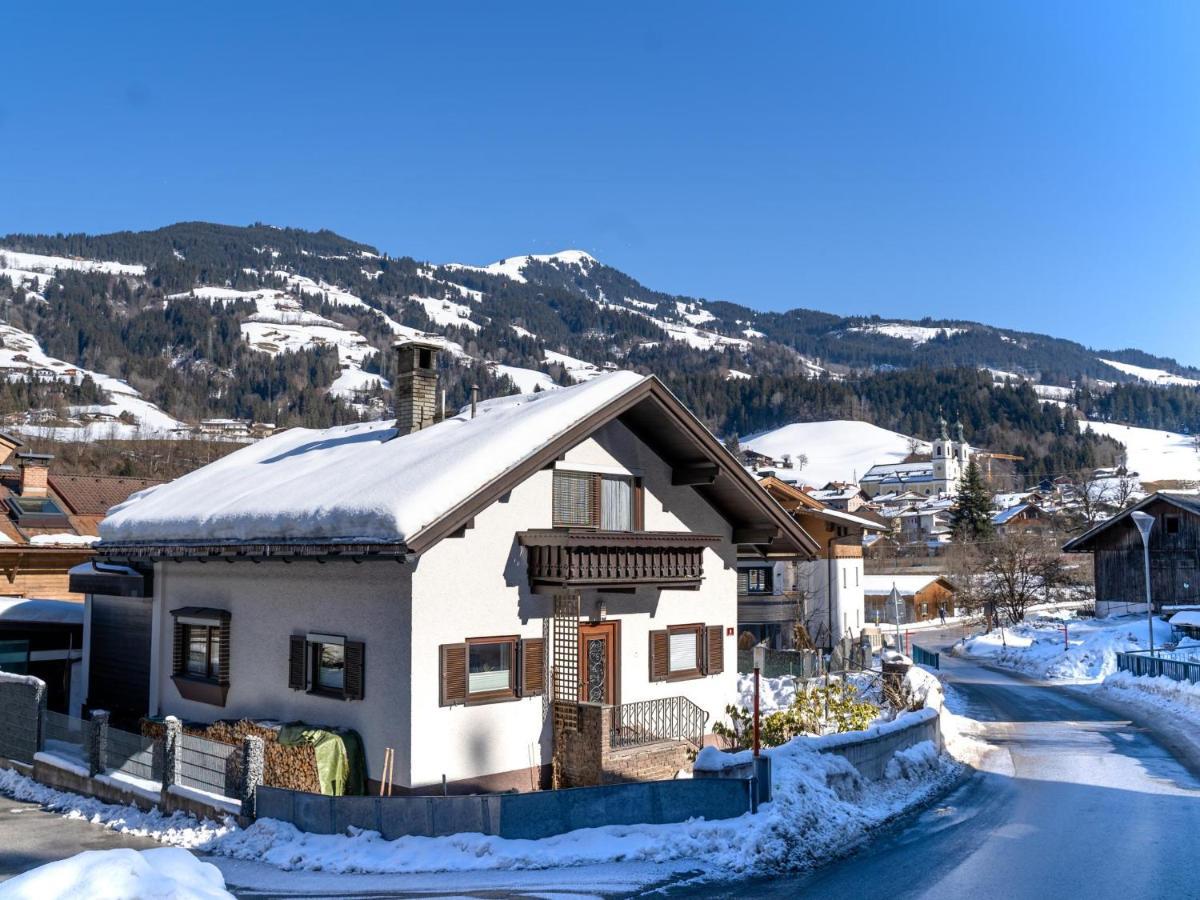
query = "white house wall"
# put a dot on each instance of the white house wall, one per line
(271, 601)
(477, 586)
(812, 576)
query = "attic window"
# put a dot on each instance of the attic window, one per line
(37, 512)
(1171, 524)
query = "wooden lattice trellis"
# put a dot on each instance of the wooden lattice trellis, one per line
(564, 671)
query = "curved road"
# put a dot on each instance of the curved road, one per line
(1076, 801)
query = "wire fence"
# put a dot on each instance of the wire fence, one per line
(65, 736)
(209, 765)
(135, 755)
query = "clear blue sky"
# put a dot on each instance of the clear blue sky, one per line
(1032, 164)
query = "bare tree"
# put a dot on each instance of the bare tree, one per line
(1018, 571)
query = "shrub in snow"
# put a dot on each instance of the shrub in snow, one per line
(813, 711)
(167, 873)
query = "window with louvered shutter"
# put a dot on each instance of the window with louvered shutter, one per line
(297, 650)
(573, 500)
(716, 650)
(658, 656)
(533, 667)
(453, 674)
(355, 671)
(743, 584)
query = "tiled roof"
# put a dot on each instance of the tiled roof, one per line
(95, 495)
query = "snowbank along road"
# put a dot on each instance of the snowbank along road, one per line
(1075, 801)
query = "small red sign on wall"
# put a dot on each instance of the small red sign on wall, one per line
(729, 632)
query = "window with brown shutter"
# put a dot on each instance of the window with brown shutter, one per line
(533, 667)
(658, 655)
(355, 683)
(200, 654)
(297, 662)
(453, 665)
(716, 650)
(594, 500)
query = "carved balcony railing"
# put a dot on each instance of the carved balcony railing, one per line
(568, 557)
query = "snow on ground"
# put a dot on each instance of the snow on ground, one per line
(916, 334)
(693, 313)
(165, 873)
(446, 312)
(36, 262)
(1036, 647)
(513, 266)
(353, 380)
(1179, 699)
(22, 357)
(577, 369)
(526, 380)
(736, 375)
(839, 450)
(1155, 455)
(522, 332)
(1153, 376)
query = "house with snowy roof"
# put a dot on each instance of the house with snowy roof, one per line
(542, 588)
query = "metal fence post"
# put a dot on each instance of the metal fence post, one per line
(253, 753)
(39, 724)
(97, 749)
(172, 755)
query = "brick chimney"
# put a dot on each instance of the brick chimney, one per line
(416, 384)
(35, 474)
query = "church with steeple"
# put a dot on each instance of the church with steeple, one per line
(938, 477)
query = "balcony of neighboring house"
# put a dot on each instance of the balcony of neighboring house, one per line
(599, 539)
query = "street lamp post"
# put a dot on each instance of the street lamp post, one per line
(1144, 523)
(895, 598)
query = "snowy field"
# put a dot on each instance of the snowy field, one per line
(1155, 455)
(1151, 376)
(838, 450)
(1090, 653)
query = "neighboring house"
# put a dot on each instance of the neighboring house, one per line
(937, 476)
(1024, 518)
(1118, 556)
(922, 596)
(843, 495)
(48, 522)
(45, 638)
(776, 595)
(465, 592)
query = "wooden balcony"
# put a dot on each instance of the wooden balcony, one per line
(570, 557)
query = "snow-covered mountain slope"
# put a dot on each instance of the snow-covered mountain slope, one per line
(22, 358)
(1151, 376)
(1155, 455)
(839, 450)
(914, 334)
(514, 266)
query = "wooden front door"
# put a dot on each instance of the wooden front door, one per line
(598, 651)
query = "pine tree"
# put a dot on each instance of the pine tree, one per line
(971, 516)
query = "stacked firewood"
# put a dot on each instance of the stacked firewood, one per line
(292, 767)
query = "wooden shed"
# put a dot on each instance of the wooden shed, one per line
(1116, 548)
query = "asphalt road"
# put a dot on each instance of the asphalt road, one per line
(30, 836)
(1076, 801)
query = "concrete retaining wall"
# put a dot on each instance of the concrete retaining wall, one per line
(870, 751)
(528, 816)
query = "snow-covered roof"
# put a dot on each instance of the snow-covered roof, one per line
(356, 483)
(1187, 617)
(18, 609)
(907, 585)
(1005, 515)
(361, 485)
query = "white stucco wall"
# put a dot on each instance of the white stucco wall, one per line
(848, 599)
(473, 586)
(271, 601)
(477, 586)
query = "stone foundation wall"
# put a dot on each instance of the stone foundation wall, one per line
(585, 758)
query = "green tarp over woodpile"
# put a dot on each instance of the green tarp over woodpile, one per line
(341, 763)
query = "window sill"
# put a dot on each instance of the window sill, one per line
(201, 690)
(689, 675)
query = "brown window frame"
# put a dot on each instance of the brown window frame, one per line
(595, 479)
(313, 654)
(697, 628)
(510, 693)
(767, 574)
(211, 673)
